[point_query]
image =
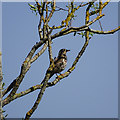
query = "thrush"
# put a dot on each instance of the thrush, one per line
(60, 62)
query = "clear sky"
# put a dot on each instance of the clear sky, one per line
(91, 90)
(1, 26)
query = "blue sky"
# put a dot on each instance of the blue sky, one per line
(91, 90)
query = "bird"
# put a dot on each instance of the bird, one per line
(60, 62)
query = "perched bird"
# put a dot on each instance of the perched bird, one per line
(60, 62)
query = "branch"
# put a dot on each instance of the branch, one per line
(75, 29)
(23, 93)
(87, 13)
(49, 43)
(51, 13)
(33, 88)
(59, 8)
(100, 7)
(43, 6)
(30, 112)
(48, 75)
(104, 32)
(57, 27)
(46, 17)
(39, 29)
(49, 71)
(25, 67)
(1, 78)
(68, 31)
(39, 53)
(38, 6)
(26, 64)
(49, 48)
(87, 18)
(66, 74)
(35, 47)
(70, 15)
(29, 90)
(96, 11)
(94, 20)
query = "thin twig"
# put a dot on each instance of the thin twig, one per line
(96, 11)
(104, 32)
(49, 45)
(39, 53)
(1, 78)
(51, 13)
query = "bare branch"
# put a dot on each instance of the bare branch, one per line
(43, 6)
(51, 13)
(48, 75)
(49, 44)
(39, 29)
(1, 78)
(100, 7)
(75, 29)
(25, 67)
(46, 38)
(33, 88)
(87, 20)
(35, 47)
(66, 74)
(94, 20)
(46, 17)
(30, 112)
(87, 13)
(49, 71)
(104, 32)
(96, 11)
(39, 7)
(39, 53)
(57, 27)
(59, 8)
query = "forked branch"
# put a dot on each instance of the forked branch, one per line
(46, 37)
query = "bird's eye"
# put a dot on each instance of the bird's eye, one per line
(62, 51)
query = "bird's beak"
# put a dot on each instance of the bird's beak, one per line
(67, 50)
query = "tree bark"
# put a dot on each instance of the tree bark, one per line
(1, 78)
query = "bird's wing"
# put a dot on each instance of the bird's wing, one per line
(55, 60)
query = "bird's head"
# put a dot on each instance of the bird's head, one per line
(62, 52)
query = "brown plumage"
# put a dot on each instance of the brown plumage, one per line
(60, 62)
